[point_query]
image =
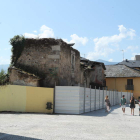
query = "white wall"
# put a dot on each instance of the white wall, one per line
(77, 100)
(67, 100)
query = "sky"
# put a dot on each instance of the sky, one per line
(100, 29)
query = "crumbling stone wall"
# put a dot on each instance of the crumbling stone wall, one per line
(93, 77)
(18, 78)
(52, 59)
(69, 66)
(97, 76)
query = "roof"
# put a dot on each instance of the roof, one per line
(71, 44)
(121, 71)
(130, 63)
(87, 62)
(83, 59)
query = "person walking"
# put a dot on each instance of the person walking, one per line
(107, 102)
(123, 103)
(132, 105)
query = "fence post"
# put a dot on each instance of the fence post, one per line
(115, 97)
(99, 97)
(84, 97)
(54, 98)
(90, 97)
(127, 98)
(95, 97)
(118, 99)
(109, 94)
(103, 99)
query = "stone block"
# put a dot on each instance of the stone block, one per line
(54, 56)
(56, 48)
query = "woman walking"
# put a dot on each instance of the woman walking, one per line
(132, 105)
(107, 104)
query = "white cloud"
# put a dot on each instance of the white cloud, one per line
(8, 48)
(110, 60)
(79, 41)
(45, 32)
(4, 60)
(132, 58)
(131, 33)
(107, 44)
(28, 35)
(64, 39)
(133, 55)
(132, 48)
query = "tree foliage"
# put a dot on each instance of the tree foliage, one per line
(3, 77)
(18, 43)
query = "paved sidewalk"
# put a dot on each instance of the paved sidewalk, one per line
(96, 125)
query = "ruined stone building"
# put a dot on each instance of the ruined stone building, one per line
(48, 62)
(92, 73)
(55, 61)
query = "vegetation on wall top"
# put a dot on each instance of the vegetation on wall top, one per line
(18, 43)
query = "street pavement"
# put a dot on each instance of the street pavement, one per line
(96, 125)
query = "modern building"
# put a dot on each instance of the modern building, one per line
(123, 78)
(132, 63)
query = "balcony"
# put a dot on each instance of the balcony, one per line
(129, 87)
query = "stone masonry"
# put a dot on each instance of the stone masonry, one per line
(59, 62)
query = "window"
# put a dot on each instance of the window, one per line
(129, 81)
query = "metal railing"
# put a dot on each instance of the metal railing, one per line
(129, 87)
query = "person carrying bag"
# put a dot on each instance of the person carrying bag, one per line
(132, 105)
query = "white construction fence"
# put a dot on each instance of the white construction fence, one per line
(78, 100)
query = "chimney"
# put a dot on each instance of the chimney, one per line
(137, 57)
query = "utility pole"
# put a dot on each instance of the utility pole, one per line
(123, 54)
(84, 55)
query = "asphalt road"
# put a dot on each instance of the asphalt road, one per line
(96, 125)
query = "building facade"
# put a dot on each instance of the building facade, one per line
(123, 78)
(54, 62)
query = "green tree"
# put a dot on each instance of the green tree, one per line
(2, 77)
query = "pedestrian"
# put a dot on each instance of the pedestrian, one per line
(123, 103)
(132, 105)
(107, 104)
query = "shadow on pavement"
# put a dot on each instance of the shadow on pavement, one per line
(4, 136)
(101, 112)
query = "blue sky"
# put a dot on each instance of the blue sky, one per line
(100, 29)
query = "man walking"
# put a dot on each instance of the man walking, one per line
(123, 103)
